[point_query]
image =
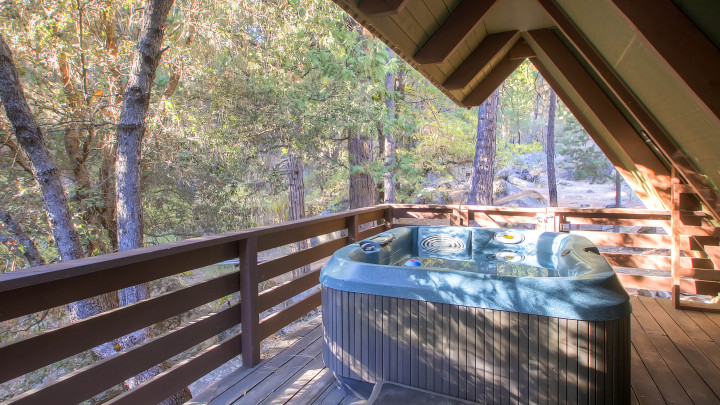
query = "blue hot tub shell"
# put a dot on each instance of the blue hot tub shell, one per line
(434, 321)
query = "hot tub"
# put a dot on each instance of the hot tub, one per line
(488, 315)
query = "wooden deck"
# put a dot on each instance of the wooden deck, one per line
(291, 373)
(675, 360)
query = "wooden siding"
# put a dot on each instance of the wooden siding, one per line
(482, 355)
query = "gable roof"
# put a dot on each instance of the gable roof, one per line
(639, 75)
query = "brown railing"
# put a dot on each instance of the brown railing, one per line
(33, 290)
(637, 242)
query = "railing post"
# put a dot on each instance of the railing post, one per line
(249, 310)
(353, 228)
(456, 219)
(675, 240)
(558, 220)
(389, 217)
(460, 217)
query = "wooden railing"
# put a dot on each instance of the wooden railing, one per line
(638, 243)
(33, 290)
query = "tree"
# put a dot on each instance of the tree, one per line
(131, 127)
(362, 186)
(481, 188)
(44, 170)
(296, 205)
(389, 141)
(550, 151)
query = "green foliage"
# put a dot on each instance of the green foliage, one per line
(256, 80)
(584, 158)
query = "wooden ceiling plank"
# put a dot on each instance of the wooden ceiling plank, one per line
(655, 131)
(479, 59)
(492, 81)
(373, 8)
(648, 163)
(683, 46)
(451, 34)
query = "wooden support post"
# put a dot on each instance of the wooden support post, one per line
(675, 248)
(456, 218)
(460, 216)
(353, 229)
(465, 216)
(249, 314)
(389, 217)
(558, 221)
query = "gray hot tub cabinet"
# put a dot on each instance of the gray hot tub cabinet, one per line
(481, 337)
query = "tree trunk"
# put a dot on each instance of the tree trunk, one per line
(131, 128)
(362, 187)
(29, 250)
(550, 149)
(296, 206)
(481, 188)
(46, 174)
(537, 109)
(130, 133)
(618, 196)
(390, 144)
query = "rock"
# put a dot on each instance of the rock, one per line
(503, 173)
(527, 198)
(528, 175)
(433, 196)
(503, 188)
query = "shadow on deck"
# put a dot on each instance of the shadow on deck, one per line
(675, 360)
(291, 373)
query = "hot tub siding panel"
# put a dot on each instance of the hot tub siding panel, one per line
(482, 355)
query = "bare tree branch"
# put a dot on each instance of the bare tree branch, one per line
(29, 249)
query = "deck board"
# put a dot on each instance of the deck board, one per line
(675, 360)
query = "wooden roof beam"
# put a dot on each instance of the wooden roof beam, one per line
(377, 8)
(648, 163)
(662, 140)
(461, 22)
(494, 79)
(688, 52)
(479, 59)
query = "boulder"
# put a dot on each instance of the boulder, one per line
(503, 188)
(527, 198)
